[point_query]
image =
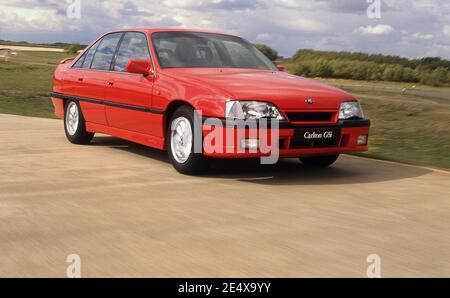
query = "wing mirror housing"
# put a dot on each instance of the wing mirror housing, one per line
(281, 67)
(143, 67)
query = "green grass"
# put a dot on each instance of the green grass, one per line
(413, 127)
(26, 81)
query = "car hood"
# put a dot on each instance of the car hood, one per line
(288, 92)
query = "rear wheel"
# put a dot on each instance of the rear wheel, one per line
(180, 143)
(319, 161)
(75, 125)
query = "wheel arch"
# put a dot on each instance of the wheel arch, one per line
(171, 108)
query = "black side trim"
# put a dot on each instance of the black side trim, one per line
(107, 103)
(287, 124)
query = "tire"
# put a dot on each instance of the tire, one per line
(319, 161)
(75, 125)
(180, 143)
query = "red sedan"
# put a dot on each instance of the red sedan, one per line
(200, 95)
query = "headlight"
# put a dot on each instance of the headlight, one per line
(244, 110)
(350, 109)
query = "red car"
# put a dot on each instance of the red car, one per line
(160, 88)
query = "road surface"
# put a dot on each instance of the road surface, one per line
(126, 212)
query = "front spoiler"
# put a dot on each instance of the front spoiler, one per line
(350, 130)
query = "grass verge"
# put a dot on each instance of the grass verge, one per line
(410, 126)
(26, 82)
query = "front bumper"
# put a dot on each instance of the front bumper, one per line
(285, 138)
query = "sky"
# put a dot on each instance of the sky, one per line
(406, 28)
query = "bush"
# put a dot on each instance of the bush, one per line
(74, 48)
(300, 69)
(269, 52)
(321, 69)
(436, 78)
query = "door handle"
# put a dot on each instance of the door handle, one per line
(80, 79)
(110, 83)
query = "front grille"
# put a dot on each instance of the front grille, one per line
(310, 116)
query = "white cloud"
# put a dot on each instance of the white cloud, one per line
(230, 5)
(263, 37)
(301, 4)
(22, 18)
(375, 30)
(419, 36)
(447, 30)
(303, 24)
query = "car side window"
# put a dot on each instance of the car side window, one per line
(105, 51)
(79, 62)
(134, 46)
(89, 55)
(86, 59)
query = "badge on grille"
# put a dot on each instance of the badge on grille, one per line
(310, 101)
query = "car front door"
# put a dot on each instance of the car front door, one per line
(130, 95)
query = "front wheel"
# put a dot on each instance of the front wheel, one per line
(75, 125)
(180, 143)
(319, 161)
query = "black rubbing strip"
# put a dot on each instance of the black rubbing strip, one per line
(107, 103)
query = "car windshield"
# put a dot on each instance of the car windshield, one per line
(192, 49)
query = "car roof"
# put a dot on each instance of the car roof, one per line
(171, 29)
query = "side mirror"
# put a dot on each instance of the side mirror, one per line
(281, 67)
(143, 67)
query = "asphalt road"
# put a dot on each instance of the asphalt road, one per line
(126, 212)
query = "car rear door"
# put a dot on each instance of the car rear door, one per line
(94, 76)
(130, 95)
(72, 81)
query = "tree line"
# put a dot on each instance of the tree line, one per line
(371, 67)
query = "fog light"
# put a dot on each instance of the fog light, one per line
(362, 140)
(250, 144)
